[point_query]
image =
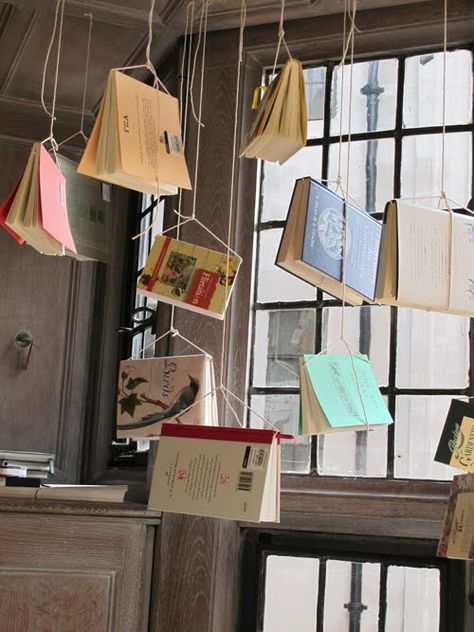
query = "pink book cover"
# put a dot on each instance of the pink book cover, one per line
(52, 189)
(5, 208)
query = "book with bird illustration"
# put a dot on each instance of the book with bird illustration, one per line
(154, 390)
(189, 276)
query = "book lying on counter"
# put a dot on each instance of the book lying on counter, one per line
(279, 128)
(313, 243)
(339, 393)
(189, 276)
(92, 493)
(219, 472)
(457, 538)
(136, 141)
(456, 444)
(155, 390)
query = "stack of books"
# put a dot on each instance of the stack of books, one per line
(219, 472)
(136, 141)
(25, 468)
(280, 127)
(193, 277)
(159, 390)
(339, 393)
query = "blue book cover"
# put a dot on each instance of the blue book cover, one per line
(323, 242)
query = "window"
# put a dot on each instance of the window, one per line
(421, 359)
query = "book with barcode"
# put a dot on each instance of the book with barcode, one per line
(457, 538)
(136, 140)
(219, 472)
(456, 444)
(155, 390)
(189, 276)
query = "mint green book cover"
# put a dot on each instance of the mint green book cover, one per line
(334, 382)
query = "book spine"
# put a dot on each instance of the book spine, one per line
(218, 433)
(158, 264)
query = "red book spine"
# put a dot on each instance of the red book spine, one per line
(156, 269)
(218, 433)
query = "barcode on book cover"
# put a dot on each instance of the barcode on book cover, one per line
(245, 482)
(259, 457)
(173, 144)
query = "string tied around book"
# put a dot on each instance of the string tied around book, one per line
(281, 37)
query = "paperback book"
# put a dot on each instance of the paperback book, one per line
(279, 129)
(314, 245)
(189, 276)
(136, 141)
(457, 538)
(158, 390)
(339, 393)
(456, 444)
(219, 472)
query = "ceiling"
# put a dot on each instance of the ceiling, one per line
(118, 39)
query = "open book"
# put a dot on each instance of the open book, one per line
(156, 390)
(279, 129)
(339, 392)
(312, 244)
(427, 259)
(190, 276)
(218, 472)
(136, 140)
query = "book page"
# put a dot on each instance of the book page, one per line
(462, 272)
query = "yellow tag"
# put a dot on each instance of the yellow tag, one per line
(257, 96)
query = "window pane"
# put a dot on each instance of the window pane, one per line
(418, 426)
(412, 599)
(283, 412)
(278, 181)
(432, 350)
(371, 171)
(421, 167)
(291, 591)
(281, 337)
(374, 96)
(340, 576)
(366, 328)
(315, 82)
(423, 95)
(275, 284)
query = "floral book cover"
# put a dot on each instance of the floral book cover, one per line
(155, 390)
(457, 539)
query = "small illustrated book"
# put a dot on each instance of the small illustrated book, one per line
(156, 390)
(456, 445)
(136, 141)
(189, 276)
(339, 392)
(219, 472)
(457, 539)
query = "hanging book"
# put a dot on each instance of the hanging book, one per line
(36, 212)
(312, 244)
(159, 389)
(136, 140)
(279, 129)
(339, 393)
(456, 445)
(426, 259)
(457, 539)
(190, 276)
(219, 472)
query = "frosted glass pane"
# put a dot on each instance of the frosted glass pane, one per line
(423, 94)
(283, 412)
(278, 181)
(412, 599)
(418, 426)
(281, 337)
(275, 284)
(291, 590)
(315, 83)
(372, 81)
(432, 350)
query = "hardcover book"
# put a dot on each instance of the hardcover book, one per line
(136, 140)
(457, 538)
(156, 390)
(456, 444)
(339, 392)
(219, 472)
(189, 276)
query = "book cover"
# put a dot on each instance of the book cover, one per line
(456, 444)
(190, 276)
(323, 242)
(218, 472)
(4, 210)
(155, 390)
(457, 538)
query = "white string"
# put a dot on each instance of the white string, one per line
(281, 37)
(443, 134)
(201, 36)
(174, 333)
(46, 60)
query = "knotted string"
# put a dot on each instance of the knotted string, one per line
(281, 37)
